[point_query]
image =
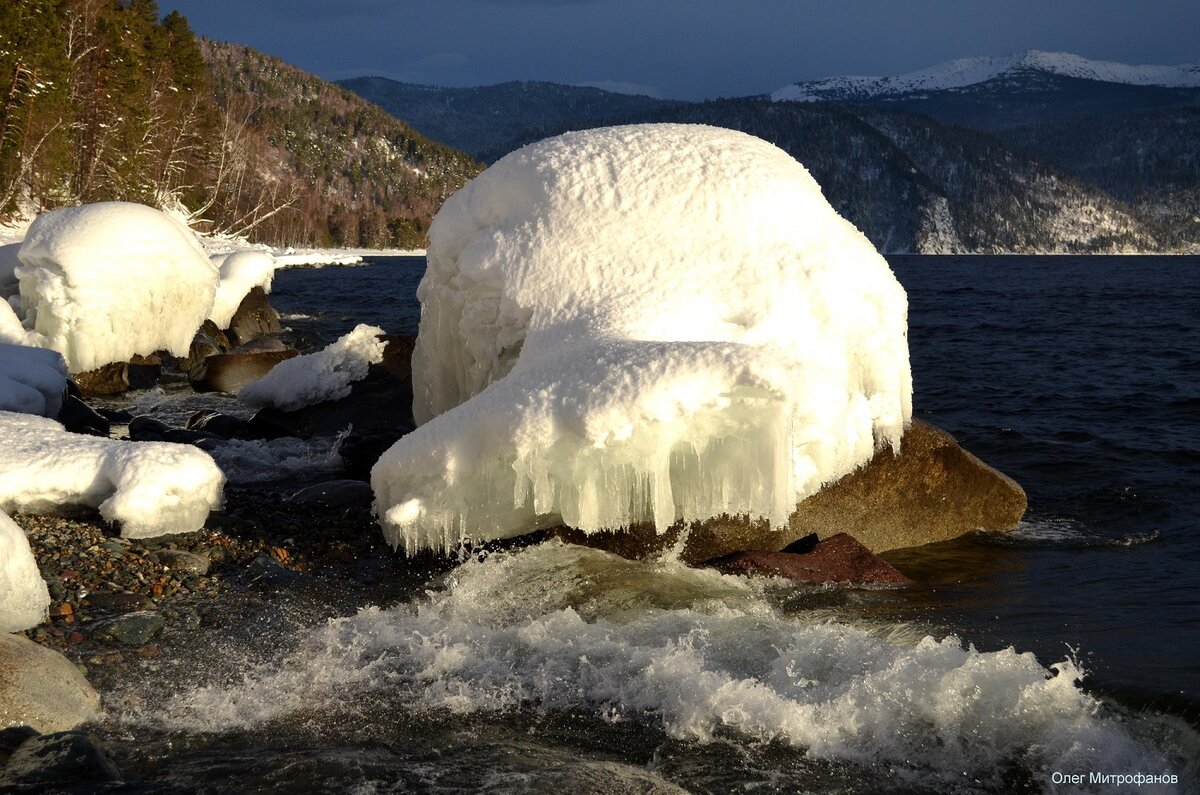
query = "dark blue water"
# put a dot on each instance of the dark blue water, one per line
(1077, 376)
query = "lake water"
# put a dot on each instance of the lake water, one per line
(1069, 646)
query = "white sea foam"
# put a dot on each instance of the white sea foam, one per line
(698, 653)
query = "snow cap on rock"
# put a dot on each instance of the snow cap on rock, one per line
(648, 323)
(103, 282)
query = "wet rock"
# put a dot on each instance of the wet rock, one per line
(118, 602)
(119, 416)
(269, 423)
(838, 559)
(269, 573)
(187, 564)
(67, 758)
(78, 417)
(11, 739)
(41, 688)
(131, 629)
(932, 490)
(359, 450)
(147, 429)
(335, 492)
(209, 341)
(218, 424)
(140, 372)
(182, 436)
(254, 317)
(229, 372)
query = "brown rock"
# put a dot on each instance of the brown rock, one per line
(838, 558)
(229, 372)
(140, 372)
(254, 317)
(932, 490)
(209, 341)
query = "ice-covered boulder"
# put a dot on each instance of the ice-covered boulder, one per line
(151, 488)
(103, 282)
(32, 380)
(642, 324)
(23, 593)
(241, 272)
(318, 377)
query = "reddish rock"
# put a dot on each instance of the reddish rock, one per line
(229, 372)
(140, 372)
(838, 559)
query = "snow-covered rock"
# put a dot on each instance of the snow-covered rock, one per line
(240, 271)
(644, 323)
(23, 593)
(32, 380)
(103, 282)
(151, 488)
(318, 377)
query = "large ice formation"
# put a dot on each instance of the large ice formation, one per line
(318, 377)
(32, 380)
(103, 282)
(241, 272)
(151, 488)
(23, 593)
(642, 323)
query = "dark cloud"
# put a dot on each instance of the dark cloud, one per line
(684, 48)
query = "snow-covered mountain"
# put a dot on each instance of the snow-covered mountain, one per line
(966, 72)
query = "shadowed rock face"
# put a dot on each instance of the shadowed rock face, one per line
(255, 317)
(933, 490)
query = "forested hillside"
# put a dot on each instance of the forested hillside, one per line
(105, 100)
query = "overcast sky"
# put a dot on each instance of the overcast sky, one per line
(686, 49)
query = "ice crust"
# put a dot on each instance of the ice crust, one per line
(151, 488)
(32, 380)
(102, 282)
(23, 593)
(641, 323)
(240, 272)
(318, 377)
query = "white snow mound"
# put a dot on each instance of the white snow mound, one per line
(241, 272)
(151, 488)
(103, 282)
(318, 377)
(23, 593)
(32, 380)
(642, 323)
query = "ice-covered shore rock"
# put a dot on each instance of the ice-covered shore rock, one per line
(151, 488)
(103, 282)
(642, 324)
(23, 593)
(933, 490)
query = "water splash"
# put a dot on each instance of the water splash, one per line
(701, 655)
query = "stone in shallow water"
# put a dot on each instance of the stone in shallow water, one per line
(933, 490)
(69, 759)
(41, 688)
(189, 564)
(131, 629)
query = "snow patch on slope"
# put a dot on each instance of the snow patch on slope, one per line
(964, 72)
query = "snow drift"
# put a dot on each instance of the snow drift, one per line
(643, 323)
(23, 593)
(151, 488)
(318, 377)
(103, 282)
